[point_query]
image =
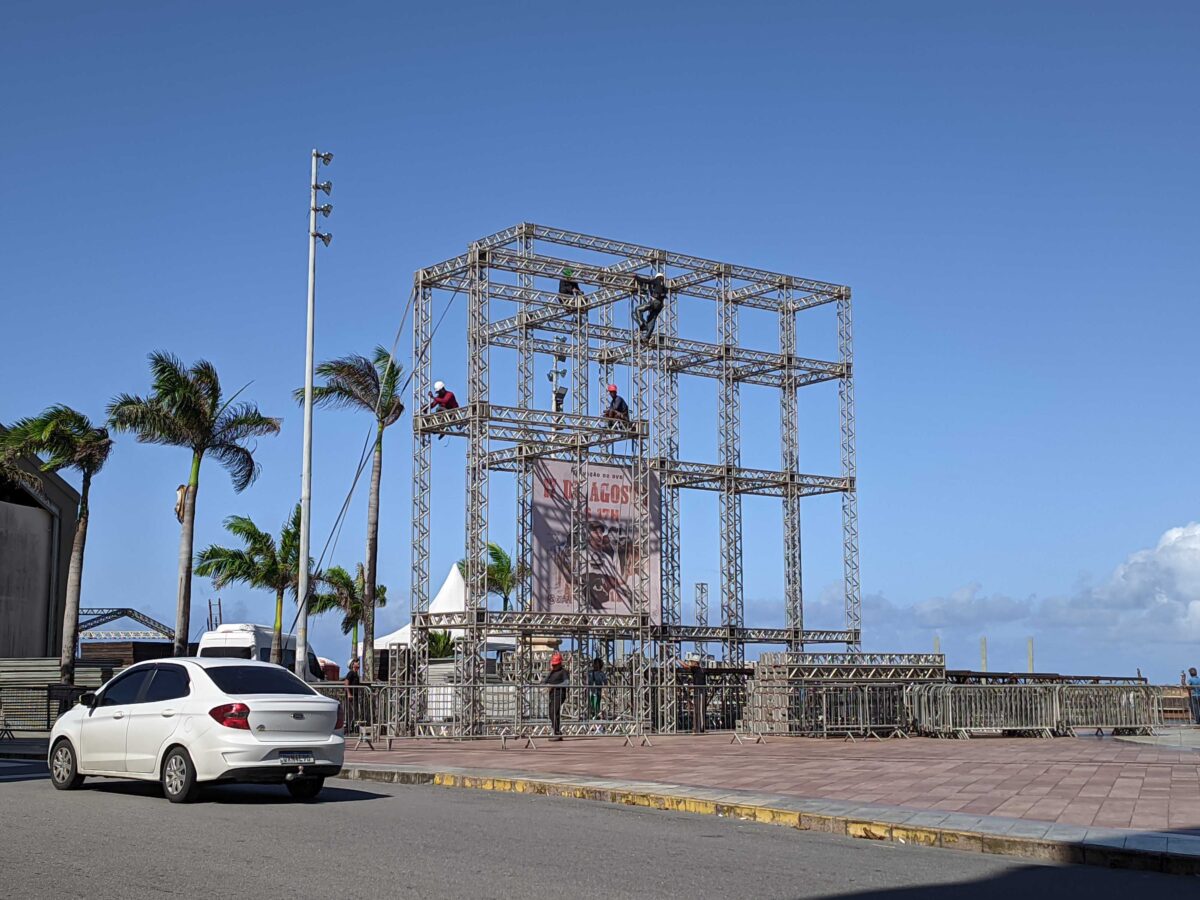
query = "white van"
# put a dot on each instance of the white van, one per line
(240, 641)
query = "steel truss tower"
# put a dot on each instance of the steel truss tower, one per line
(510, 281)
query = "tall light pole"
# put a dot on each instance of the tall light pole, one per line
(318, 158)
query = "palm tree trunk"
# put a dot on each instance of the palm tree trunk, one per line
(183, 604)
(368, 616)
(70, 634)
(277, 632)
(354, 642)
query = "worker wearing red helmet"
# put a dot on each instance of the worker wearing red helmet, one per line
(556, 680)
(618, 409)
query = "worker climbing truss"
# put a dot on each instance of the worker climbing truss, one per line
(511, 281)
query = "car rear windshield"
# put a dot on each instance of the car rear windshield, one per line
(236, 680)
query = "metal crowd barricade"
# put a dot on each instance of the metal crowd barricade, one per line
(826, 710)
(1122, 709)
(962, 710)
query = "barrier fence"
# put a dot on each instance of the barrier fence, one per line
(35, 708)
(800, 708)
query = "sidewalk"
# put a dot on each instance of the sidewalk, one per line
(1071, 799)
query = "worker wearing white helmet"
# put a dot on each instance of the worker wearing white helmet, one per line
(442, 399)
(656, 297)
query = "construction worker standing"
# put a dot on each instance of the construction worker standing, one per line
(556, 681)
(654, 299)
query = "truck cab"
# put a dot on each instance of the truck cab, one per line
(244, 641)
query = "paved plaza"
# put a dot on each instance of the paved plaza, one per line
(1084, 781)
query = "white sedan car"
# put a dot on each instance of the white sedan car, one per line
(192, 721)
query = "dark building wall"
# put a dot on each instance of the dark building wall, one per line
(36, 533)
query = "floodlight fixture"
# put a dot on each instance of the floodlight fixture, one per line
(326, 186)
(326, 158)
(324, 238)
(325, 210)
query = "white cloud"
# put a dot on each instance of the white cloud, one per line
(1146, 615)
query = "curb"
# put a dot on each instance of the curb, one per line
(1109, 848)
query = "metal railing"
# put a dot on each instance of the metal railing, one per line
(805, 708)
(35, 708)
(827, 710)
(961, 710)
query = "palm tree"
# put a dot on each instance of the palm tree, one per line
(68, 440)
(441, 645)
(186, 408)
(367, 384)
(349, 596)
(503, 578)
(262, 563)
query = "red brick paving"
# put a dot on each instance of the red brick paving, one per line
(1075, 781)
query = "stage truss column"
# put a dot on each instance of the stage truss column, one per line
(666, 451)
(580, 526)
(421, 484)
(642, 409)
(525, 400)
(473, 646)
(729, 419)
(789, 436)
(849, 494)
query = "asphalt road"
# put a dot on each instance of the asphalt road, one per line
(116, 839)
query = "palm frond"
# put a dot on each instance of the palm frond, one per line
(11, 472)
(238, 462)
(207, 384)
(65, 436)
(149, 420)
(242, 421)
(391, 406)
(227, 566)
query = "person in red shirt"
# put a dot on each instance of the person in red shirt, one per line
(442, 399)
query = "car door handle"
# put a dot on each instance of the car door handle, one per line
(167, 713)
(118, 715)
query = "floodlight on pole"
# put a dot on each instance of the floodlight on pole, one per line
(303, 588)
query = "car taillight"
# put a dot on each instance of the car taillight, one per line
(341, 722)
(232, 715)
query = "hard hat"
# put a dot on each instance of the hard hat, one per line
(556, 659)
(568, 272)
(659, 274)
(612, 388)
(439, 385)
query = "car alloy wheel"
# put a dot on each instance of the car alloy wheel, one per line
(179, 777)
(176, 774)
(64, 773)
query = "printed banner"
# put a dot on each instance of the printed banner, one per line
(612, 549)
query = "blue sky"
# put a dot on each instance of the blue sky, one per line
(1010, 189)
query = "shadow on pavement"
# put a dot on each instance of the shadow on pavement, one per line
(1049, 881)
(234, 794)
(33, 770)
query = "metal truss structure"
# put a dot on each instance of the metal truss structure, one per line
(851, 667)
(90, 619)
(510, 281)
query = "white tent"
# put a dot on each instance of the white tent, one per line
(451, 597)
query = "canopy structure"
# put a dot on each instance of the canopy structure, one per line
(451, 598)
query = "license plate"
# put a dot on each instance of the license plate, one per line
(294, 756)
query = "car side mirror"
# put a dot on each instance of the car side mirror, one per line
(88, 699)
